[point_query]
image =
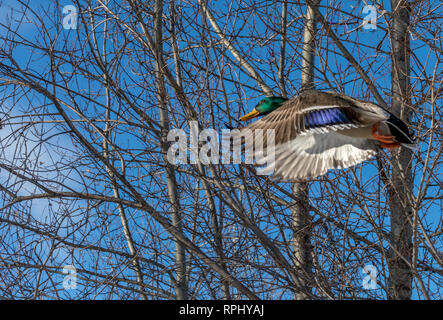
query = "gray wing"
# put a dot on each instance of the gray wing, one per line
(313, 154)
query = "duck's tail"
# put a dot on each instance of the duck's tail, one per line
(411, 146)
(400, 131)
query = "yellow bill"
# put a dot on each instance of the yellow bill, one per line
(254, 113)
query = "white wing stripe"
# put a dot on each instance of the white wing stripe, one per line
(306, 110)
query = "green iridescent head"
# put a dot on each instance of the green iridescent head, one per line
(265, 106)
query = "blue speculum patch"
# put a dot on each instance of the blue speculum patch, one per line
(324, 117)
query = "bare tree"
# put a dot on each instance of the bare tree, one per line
(401, 198)
(301, 217)
(92, 208)
(181, 286)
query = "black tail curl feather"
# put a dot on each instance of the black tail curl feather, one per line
(399, 129)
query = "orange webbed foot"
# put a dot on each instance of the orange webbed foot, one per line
(390, 146)
(385, 140)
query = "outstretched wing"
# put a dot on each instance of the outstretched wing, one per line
(316, 112)
(313, 154)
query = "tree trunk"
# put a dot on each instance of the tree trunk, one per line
(400, 195)
(300, 210)
(180, 257)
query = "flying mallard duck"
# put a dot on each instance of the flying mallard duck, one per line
(317, 131)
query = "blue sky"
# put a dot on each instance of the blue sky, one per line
(366, 174)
